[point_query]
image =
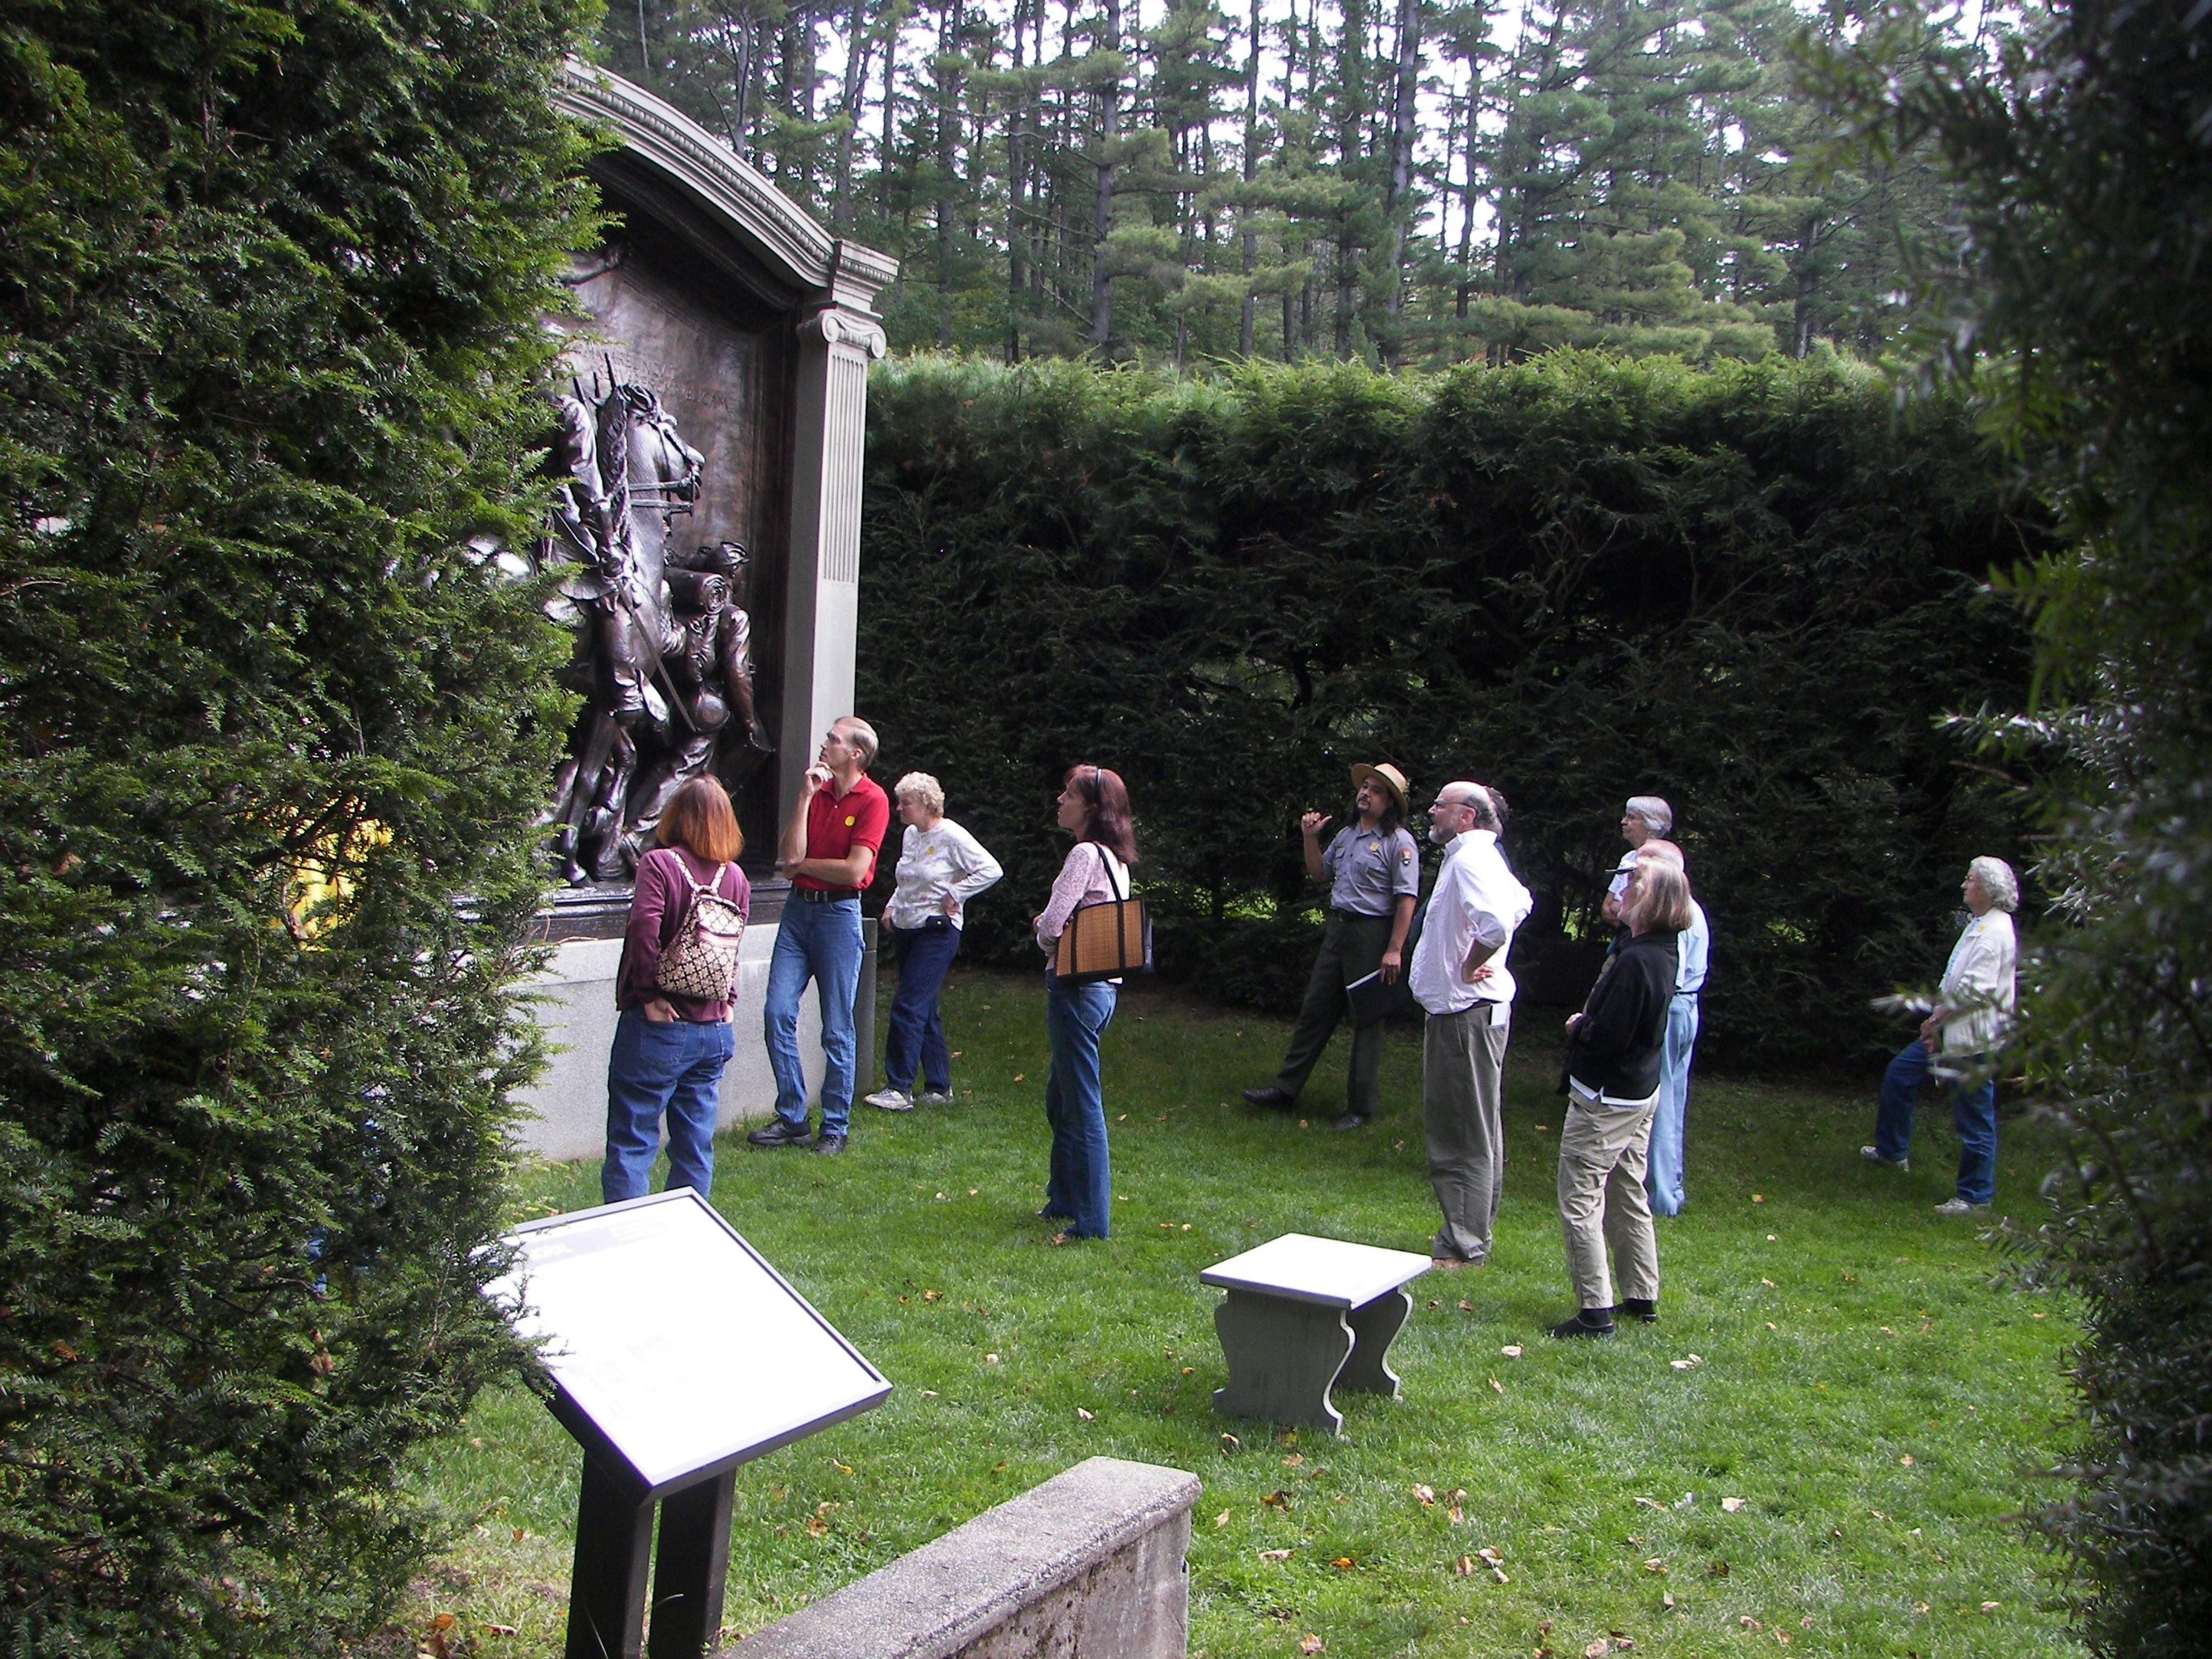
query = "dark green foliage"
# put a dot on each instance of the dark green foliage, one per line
(1753, 591)
(270, 283)
(2085, 159)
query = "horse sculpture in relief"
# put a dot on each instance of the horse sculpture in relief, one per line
(663, 655)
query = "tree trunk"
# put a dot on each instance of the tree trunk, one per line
(861, 49)
(1109, 117)
(1396, 208)
(1251, 238)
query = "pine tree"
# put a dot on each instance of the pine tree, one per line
(274, 736)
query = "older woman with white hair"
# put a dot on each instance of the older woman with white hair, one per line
(1962, 1031)
(941, 867)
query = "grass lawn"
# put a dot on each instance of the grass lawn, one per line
(1865, 1382)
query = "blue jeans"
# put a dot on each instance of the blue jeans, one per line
(675, 1068)
(1662, 1176)
(1081, 1189)
(820, 942)
(1973, 1114)
(917, 1035)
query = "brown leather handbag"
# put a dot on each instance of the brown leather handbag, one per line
(1107, 940)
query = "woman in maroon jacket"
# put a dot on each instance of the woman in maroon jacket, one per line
(1614, 1049)
(670, 1051)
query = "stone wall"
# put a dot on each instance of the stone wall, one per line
(1092, 1564)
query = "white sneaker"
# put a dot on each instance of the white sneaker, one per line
(892, 1100)
(1958, 1206)
(1872, 1155)
(933, 1097)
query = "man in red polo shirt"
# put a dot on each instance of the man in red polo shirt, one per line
(828, 851)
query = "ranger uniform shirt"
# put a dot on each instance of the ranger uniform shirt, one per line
(1368, 871)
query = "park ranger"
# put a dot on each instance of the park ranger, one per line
(1373, 870)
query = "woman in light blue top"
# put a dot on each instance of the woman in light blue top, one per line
(1663, 1175)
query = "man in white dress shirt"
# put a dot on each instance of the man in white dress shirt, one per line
(1459, 977)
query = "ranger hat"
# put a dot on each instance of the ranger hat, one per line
(1390, 778)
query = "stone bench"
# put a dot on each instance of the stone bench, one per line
(1304, 1315)
(1091, 1565)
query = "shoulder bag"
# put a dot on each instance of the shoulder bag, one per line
(1107, 940)
(702, 961)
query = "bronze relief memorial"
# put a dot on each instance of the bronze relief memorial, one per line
(663, 657)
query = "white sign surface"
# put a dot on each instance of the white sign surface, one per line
(668, 1332)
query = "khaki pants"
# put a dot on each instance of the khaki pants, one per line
(1462, 1077)
(1602, 1152)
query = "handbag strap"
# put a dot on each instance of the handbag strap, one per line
(1114, 865)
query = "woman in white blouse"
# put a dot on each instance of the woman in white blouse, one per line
(1093, 807)
(941, 867)
(1965, 1028)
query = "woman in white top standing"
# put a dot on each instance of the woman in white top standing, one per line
(941, 867)
(1965, 1028)
(1093, 807)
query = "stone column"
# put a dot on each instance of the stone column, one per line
(821, 597)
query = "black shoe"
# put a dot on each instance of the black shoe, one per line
(780, 1133)
(1630, 1307)
(1582, 1324)
(829, 1146)
(1270, 1096)
(1351, 1120)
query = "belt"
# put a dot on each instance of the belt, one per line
(1356, 915)
(825, 895)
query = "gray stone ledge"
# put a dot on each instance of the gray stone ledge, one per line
(1089, 1564)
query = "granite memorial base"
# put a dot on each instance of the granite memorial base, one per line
(1092, 1564)
(574, 1000)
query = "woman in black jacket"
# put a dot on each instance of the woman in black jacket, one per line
(1614, 1048)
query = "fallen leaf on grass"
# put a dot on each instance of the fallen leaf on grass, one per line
(1597, 1650)
(1343, 1563)
(990, 1359)
(1312, 1643)
(1906, 1460)
(1466, 1307)
(1294, 1460)
(1691, 1363)
(1511, 1351)
(1425, 1495)
(841, 1468)
(1772, 1239)
(1277, 1500)
(1758, 1198)
(817, 1527)
(1666, 1599)
(1455, 1515)
(1496, 1384)
(1657, 1564)
(1651, 1503)
(1019, 1077)
(1718, 1569)
(1464, 1566)
(1750, 1622)
(1731, 1504)
(1222, 1519)
(501, 1630)
(1768, 1283)
(1229, 1443)
(1991, 1606)
(1082, 1416)
(1274, 1555)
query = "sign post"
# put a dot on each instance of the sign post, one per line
(676, 1353)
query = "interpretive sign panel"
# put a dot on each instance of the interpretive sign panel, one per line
(677, 1353)
(677, 1348)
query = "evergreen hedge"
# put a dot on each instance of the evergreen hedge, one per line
(1753, 590)
(270, 279)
